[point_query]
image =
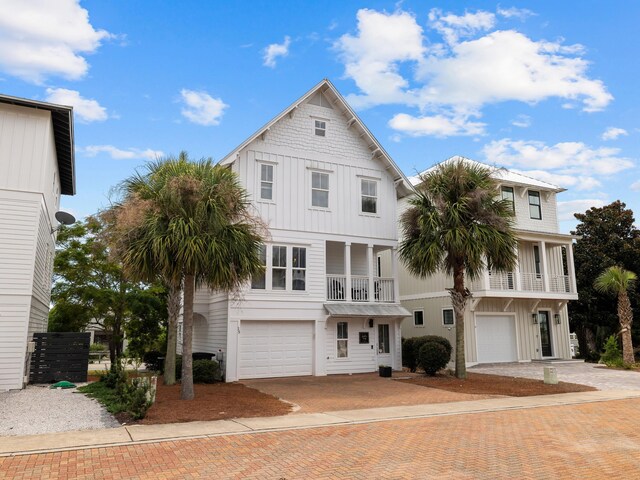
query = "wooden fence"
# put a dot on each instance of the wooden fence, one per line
(59, 356)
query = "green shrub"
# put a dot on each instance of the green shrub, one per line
(115, 376)
(612, 356)
(442, 341)
(206, 371)
(433, 357)
(98, 347)
(418, 343)
(136, 398)
(409, 358)
(154, 360)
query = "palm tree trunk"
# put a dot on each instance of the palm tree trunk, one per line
(187, 338)
(173, 310)
(625, 314)
(459, 296)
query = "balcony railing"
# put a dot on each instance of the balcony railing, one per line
(383, 289)
(524, 282)
(559, 283)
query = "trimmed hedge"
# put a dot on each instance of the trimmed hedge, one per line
(204, 371)
(411, 349)
(433, 357)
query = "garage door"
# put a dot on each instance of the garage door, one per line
(275, 349)
(496, 336)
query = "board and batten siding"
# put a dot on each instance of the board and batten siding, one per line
(549, 208)
(361, 358)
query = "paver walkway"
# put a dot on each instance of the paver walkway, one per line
(365, 390)
(594, 440)
(575, 372)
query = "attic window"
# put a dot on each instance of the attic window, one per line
(320, 128)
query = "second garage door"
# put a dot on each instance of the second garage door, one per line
(275, 349)
(496, 336)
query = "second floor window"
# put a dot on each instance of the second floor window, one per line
(259, 282)
(535, 210)
(299, 265)
(282, 263)
(507, 194)
(279, 268)
(266, 182)
(320, 189)
(369, 191)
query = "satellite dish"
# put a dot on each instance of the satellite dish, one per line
(65, 218)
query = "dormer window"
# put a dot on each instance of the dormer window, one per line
(320, 128)
(535, 210)
(507, 195)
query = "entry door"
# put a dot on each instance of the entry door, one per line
(545, 334)
(383, 344)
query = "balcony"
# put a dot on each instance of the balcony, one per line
(383, 289)
(524, 282)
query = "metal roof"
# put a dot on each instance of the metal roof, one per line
(62, 119)
(365, 310)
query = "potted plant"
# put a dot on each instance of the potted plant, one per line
(385, 371)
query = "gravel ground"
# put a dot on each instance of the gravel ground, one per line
(40, 409)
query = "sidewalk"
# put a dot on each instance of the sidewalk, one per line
(135, 434)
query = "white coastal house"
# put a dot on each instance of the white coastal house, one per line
(513, 316)
(328, 192)
(36, 167)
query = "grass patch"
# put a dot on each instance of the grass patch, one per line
(105, 395)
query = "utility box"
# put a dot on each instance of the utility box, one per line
(550, 376)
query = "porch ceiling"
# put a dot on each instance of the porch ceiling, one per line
(365, 310)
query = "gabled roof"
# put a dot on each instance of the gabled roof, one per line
(62, 119)
(499, 173)
(403, 185)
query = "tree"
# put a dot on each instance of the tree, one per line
(618, 281)
(456, 224)
(607, 237)
(195, 226)
(89, 286)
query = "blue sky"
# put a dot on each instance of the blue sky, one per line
(545, 88)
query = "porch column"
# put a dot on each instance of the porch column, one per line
(347, 270)
(371, 294)
(486, 281)
(516, 281)
(572, 269)
(394, 274)
(542, 245)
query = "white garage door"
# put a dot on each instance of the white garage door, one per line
(275, 349)
(496, 337)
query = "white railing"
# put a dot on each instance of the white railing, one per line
(531, 282)
(384, 289)
(359, 288)
(559, 283)
(501, 281)
(336, 287)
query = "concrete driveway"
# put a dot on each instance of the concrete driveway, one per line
(591, 374)
(346, 392)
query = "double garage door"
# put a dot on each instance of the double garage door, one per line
(496, 338)
(275, 349)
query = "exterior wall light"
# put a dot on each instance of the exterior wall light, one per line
(534, 317)
(556, 317)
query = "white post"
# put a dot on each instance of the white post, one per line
(543, 264)
(394, 274)
(571, 269)
(371, 293)
(347, 270)
(486, 281)
(516, 281)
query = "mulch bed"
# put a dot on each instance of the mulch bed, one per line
(216, 401)
(484, 384)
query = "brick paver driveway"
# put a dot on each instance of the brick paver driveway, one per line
(595, 440)
(575, 372)
(347, 392)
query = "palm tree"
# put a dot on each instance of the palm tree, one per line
(456, 224)
(616, 281)
(197, 228)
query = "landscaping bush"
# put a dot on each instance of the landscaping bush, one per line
(154, 360)
(433, 357)
(98, 347)
(419, 342)
(612, 356)
(442, 341)
(409, 358)
(206, 371)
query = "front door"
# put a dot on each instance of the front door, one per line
(383, 344)
(545, 334)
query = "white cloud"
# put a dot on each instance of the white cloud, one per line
(120, 154)
(202, 108)
(577, 182)
(513, 12)
(452, 27)
(275, 50)
(612, 133)
(567, 209)
(87, 110)
(522, 121)
(41, 38)
(437, 125)
(635, 186)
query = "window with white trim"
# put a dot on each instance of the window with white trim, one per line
(266, 181)
(342, 335)
(418, 318)
(369, 195)
(278, 268)
(299, 266)
(448, 319)
(320, 189)
(259, 282)
(320, 128)
(535, 209)
(509, 196)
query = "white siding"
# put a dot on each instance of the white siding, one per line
(549, 221)
(211, 335)
(14, 315)
(362, 358)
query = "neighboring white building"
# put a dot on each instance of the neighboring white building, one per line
(36, 167)
(328, 192)
(514, 316)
